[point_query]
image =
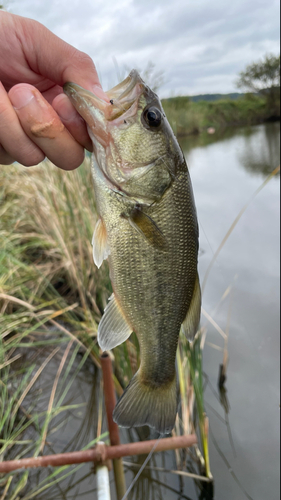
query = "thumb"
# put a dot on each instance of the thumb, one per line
(49, 56)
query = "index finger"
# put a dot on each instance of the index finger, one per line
(50, 56)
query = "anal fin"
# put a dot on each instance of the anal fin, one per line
(100, 246)
(113, 328)
(192, 319)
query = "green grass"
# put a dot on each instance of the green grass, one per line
(187, 117)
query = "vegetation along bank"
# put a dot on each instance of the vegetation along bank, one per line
(260, 103)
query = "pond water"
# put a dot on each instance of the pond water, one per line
(244, 431)
(226, 171)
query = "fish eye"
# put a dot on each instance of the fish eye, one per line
(153, 116)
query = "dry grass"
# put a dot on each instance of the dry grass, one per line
(47, 221)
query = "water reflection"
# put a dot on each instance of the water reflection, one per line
(204, 139)
(257, 152)
(261, 152)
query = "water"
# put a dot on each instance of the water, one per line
(226, 170)
(225, 174)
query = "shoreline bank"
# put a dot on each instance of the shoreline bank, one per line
(193, 118)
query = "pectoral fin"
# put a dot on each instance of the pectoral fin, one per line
(113, 328)
(192, 319)
(100, 246)
(147, 228)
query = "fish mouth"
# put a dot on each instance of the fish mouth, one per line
(102, 117)
(97, 113)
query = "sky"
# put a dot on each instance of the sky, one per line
(199, 46)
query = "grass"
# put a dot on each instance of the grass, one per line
(47, 284)
(51, 298)
(46, 224)
(187, 117)
(35, 405)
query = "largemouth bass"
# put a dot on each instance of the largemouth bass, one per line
(148, 230)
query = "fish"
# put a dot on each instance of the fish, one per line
(148, 231)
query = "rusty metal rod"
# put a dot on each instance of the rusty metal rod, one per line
(110, 402)
(110, 398)
(94, 455)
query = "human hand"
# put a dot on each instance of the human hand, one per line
(36, 118)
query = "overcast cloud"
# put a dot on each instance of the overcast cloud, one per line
(199, 45)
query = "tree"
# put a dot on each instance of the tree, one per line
(263, 77)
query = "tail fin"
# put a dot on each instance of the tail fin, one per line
(143, 404)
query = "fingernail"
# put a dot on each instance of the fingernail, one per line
(65, 109)
(21, 96)
(97, 90)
